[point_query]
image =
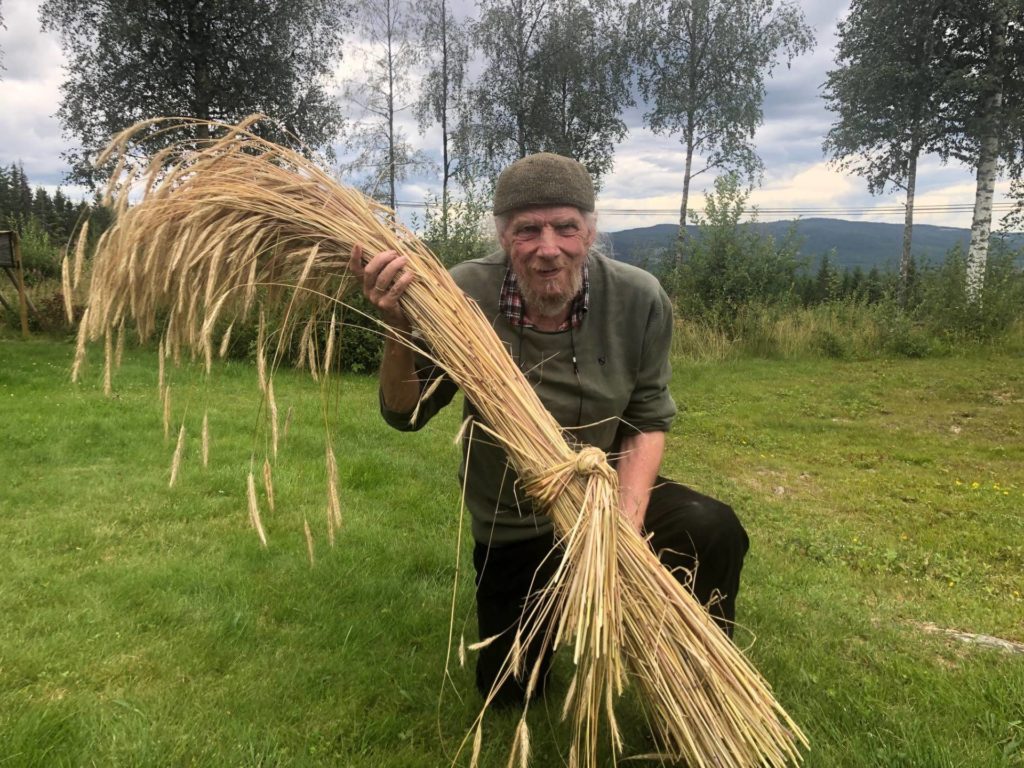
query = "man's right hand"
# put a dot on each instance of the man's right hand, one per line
(384, 279)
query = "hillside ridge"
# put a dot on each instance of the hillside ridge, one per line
(849, 244)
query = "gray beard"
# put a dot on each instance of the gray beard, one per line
(549, 305)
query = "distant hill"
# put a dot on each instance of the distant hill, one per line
(855, 243)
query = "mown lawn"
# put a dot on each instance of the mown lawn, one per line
(142, 625)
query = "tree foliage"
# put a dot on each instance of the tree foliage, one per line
(702, 69)
(985, 49)
(56, 213)
(44, 221)
(887, 90)
(942, 76)
(466, 232)
(889, 94)
(729, 265)
(138, 59)
(555, 78)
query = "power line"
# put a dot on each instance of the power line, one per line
(885, 210)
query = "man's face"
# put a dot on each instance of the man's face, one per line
(547, 247)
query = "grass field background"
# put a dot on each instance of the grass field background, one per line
(142, 625)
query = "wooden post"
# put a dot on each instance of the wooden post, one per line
(22, 297)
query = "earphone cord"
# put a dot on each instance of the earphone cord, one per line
(576, 370)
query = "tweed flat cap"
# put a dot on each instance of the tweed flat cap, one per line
(543, 179)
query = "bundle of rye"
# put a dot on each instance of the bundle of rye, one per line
(205, 236)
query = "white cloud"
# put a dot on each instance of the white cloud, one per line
(816, 186)
(29, 93)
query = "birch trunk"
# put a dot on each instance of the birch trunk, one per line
(681, 239)
(988, 164)
(908, 227)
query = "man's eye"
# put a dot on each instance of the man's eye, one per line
(528, 231)
(567, 229)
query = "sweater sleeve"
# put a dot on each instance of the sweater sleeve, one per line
(441, 393)
(472, 278)
(651, 407)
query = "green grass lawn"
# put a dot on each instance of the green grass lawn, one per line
(142, 625)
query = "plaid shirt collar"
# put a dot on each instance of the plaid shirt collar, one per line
(510, 302)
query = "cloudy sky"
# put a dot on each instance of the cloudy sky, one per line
(645, 186)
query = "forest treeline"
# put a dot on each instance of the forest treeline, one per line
(505, 78)
(44, 222)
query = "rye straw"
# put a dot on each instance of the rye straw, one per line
(309, 542)
(108, 363)
(272, 414)
(66, 290)
(333, 500)
(83, 239)
(268, 484)
(241, 222)
(206, 439)
(329, 351)
(254, 510)
(119, 347)
(167, 413)
(161, 372)
(179, 452)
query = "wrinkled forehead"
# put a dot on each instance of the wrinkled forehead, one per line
(555, 215)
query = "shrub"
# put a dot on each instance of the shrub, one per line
(465, 233)
(40, 257)
(948, 313)
(728, 266)
(362, 342)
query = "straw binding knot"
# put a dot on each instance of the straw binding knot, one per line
(590, 463)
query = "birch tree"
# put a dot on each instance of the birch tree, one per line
(445, 51)
(986, 46)
(383, 155)
(887, 94)
(139, 59)
(555, 78)
(702, 70)
(586, 71)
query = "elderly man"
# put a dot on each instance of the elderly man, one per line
(592, 336)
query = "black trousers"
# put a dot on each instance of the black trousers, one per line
(687, 529)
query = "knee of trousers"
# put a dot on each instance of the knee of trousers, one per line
(705, 526)
(728, 532)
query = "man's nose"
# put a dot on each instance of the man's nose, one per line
(547, 244)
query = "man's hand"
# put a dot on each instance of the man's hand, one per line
(384, 280)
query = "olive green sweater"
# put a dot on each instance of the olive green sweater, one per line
(619, 382)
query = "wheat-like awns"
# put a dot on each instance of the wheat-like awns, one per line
(241, 223)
